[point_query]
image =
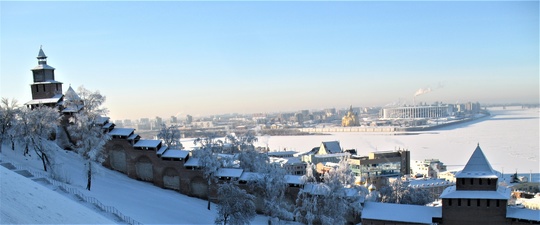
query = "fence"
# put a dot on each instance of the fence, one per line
(81, 196)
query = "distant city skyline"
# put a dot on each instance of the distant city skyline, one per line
(205, 58)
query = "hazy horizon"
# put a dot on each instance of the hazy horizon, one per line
(206, 58)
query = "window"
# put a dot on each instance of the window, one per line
(37, 88)
(459, 202)
(477, 202)
(463, 181)
(449, 202)
(471, 181)
(480, 181)
(489, 181)
(44, 88)
(468, 202)
(498, 203)
(488, 200)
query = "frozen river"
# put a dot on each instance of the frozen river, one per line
(509, 139)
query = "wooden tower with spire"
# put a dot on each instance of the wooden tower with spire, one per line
(45, 89)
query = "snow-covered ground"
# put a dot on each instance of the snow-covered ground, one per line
(23, 201)
(509, 138)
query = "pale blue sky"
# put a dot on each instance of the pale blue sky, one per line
(200, 58)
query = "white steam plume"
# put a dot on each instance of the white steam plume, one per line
(422, 91)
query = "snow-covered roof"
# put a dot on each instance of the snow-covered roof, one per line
(477, 166)
(333, 155)
(500, 193)
(316, 188)
(161, 150)
(332, 146)
(282, 153)
(249, 176)
(43, 66)
(294, 179)
(102, 119)
(147, 143)
(175, 153)
(192, 162)
(121, 131)
(72, 95)
(48, 82)
(133, 136)
(290, 160)
(54, 99)
(401, 212)
(421, 183)
(523, 214)
(73, 108)
(229, 172)
(107, 125)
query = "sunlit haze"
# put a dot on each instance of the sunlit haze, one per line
(201, 58)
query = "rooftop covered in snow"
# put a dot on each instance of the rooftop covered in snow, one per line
(122, 131)
(175, 154)
(401, 212)
(192, 162)
(147, 144)
(229, 172)
(54, 99)
(523, 214)
(477, 166)
(500, 193)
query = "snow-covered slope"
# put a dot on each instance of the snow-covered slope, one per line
(23, 201)
(141, 201)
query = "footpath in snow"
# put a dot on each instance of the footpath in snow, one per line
(24, 201)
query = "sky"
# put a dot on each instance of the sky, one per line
(176, 58)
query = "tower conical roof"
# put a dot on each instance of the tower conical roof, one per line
(477, 166)
(71, 95)
(41, 54)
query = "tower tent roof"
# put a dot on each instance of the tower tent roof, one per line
(477, 166)
(41, 54)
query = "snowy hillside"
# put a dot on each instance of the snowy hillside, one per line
(24, 201)
(142, 201)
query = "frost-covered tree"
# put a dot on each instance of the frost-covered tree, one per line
(170, 135)
(331, 201)
(241, 142)
(208, 158)
(271, 186)
(252, 161)
(235, 205)
(90, 142)
(400, 192)
(88, 134)
(8, 111)
(34, 130)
